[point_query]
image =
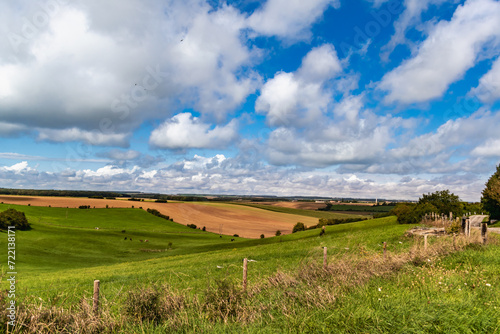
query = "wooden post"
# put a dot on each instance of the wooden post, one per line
(385, 248)
(324, 257)
(451, 216)
(425, 242)
(95, 303)
(245, 267)
(484, 232)
(467, 227)
(464, 225)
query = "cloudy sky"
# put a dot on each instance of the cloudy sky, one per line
(351, 98)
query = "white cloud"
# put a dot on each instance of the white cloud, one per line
(289, 18)
(17, 168)
(300, 97)
(89, 137)
(184, 131)
(449, 51)
(108, 67)
(488, 89)
(490, 148)
(409, 18)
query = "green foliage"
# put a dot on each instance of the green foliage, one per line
(444, 201)
(262, 236)
(299, 227)
(157, 213)
(335, 221)
(491, 195)
(357, 208)
(193, 226)
(12, 217)
(410, 213)
(278, 233)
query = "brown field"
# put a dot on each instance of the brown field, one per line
(296, 205)
(245, 221)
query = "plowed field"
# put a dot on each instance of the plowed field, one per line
(222, 218)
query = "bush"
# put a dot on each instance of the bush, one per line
(262, 236)
(193, 226)
(84, 207)
(299, 227)
(12, 217)
(204, 229)
(278, 233)
(157, 213)
(409, 213)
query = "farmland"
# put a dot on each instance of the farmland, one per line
(411, 290)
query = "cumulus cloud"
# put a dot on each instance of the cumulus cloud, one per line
(450, 50)
(222, 175)
(89, 68)
(289, 18)
(488, 89)
(300, 97)
(409, 18)
(183, 131)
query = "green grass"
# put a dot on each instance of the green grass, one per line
(362, 208)
(302, 212)
(60, 257)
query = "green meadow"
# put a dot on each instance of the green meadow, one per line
(189, 281)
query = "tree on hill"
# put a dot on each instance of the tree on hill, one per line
(444, 201)
(491, 195)
(14, 218)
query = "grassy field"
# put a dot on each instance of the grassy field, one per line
(302, 212)
(196, 285)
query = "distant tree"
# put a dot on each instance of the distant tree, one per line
(299, 227)
(410, 213)
(262, 236)
(12, 217)
(491, 195)
(444, 201)
(278, 233)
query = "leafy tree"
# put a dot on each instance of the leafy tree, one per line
(278, 233)
(409, 213)
(491, 195)
(299, 227)
(444, 201)
(12, 217)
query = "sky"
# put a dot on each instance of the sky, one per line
(340, 98)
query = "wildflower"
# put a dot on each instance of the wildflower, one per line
(379, 289)
(488, 284)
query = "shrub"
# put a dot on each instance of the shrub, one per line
(12, 217)
(204, 229)
(299, 227)
(278, 233)
(262, 236)
(225, 301)
(236, 235)
(193, 226)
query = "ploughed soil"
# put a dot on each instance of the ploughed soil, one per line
(247, 222)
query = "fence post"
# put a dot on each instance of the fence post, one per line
(484, 232)
(245, 267)
(385, 248)
(324, 257)
(464, 225)
(425, 242)
(95, 299)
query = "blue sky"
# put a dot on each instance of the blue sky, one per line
(368, 98)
